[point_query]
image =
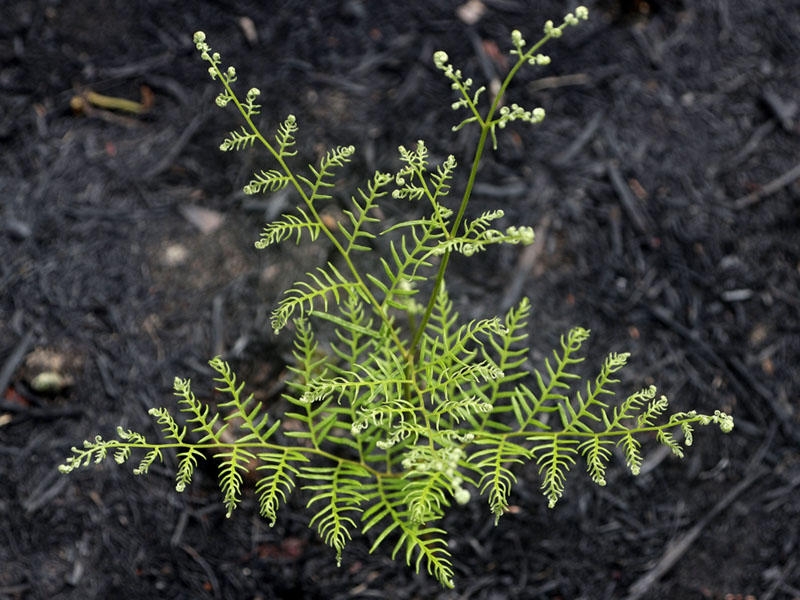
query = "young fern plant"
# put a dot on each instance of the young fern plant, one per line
(405, 408)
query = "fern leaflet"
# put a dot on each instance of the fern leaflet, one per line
(338, 499)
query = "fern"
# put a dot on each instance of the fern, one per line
(398, 408)
(335, 158)
(555, 457)
(320, 286)
(389, 513)
(493, 462)
(285, 137)
(278, 470)
(238, 140)
(338, 497)
(267, 181)
(360, 217)
(289, 226)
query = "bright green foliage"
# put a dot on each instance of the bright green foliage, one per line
(397, 407)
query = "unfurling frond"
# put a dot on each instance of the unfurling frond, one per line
(267, 181)
(238, 140)
(285, 137)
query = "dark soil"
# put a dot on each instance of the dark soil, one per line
(664, 189)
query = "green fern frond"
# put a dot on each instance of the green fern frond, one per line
(426, 496)
(574, 418)
(446, 351)
(425, 543)
(455, 348)
(355, 333)
(337, 157)
(482, 223)
(403, 407)
(458, 373)
(510, 347)
(508, 351)
(324, 387)
(249, 107)
(442, 177)
(122, 454)
(168, 426)
(440, 327)
(289, 226)
(233, 463)
(414, 182)
(187, 463)
(416, 160)
(408, 190)
(336, 500)
(460, 408)
(316, 419)
(277, 471)
(285, 137)
(386, 509)
(402, 430)
(474, 241)
(558, 376)
(555, 456)
(655, 408)
(407, 260)
(597, 452)
(247, 410)
(666, 438)
(685, 420)
(97, 450)
(316, 424)
(238, 140)
(397, 417)
(148, 459)
(267, 181)
(387, 384)
(130, 440)
(368, 332)
(628, 409)
(309, 361)
(493, 462)
(325, 283)
(133, 438)
(360, 216)
(528, 409)
(198, 411)
(428, 544)
(632, 449)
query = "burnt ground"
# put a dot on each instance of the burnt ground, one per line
(664, 189)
